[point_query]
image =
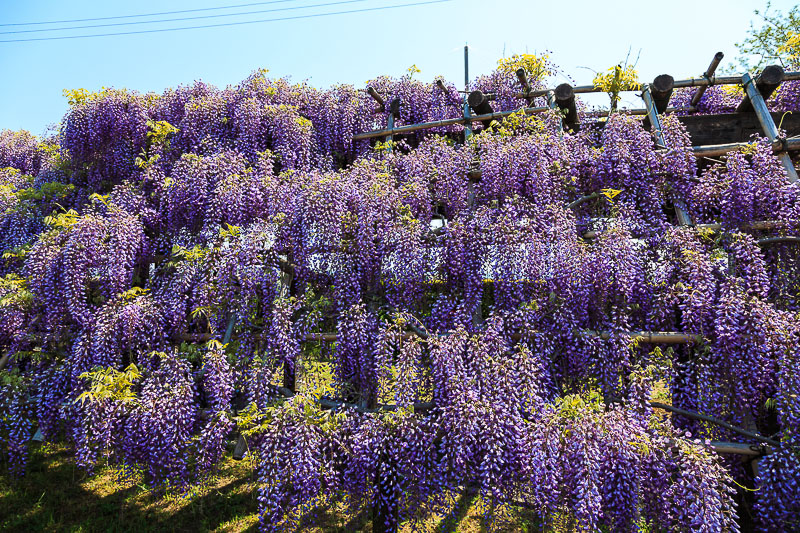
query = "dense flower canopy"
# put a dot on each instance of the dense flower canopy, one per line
(393, 323)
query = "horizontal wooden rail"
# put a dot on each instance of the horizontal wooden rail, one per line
(753, 226)
(651, 337)
(445, 122)
(637, 111)
(678, 84)
(779, 239)
(737, 448)
(581, 89)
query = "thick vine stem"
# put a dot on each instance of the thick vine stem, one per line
(717, 422)
(583, 199)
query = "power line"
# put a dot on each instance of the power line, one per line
(181, 19)
(145, 14)
(296, 17)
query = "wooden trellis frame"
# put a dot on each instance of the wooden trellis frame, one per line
(655, 96)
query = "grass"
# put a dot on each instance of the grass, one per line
(56, 495)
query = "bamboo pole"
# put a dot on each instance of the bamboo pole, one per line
(768, 125)
(583, 199)
(465, 104)
(713, 150)
(737, 448)
(773, 240)
(651, 337)
(708, 74)
(446, 122)
(653, 102)
(679, 84)
(754, 226)
(638, 111)
(766, 83)
(493, 116)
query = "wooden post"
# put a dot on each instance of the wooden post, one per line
(479, 103)
(754, 92)
(394, 112)
(661, 90)
(526, 89)
(708, 75)
(766, 83)
(681, 211)
(289, 371)
(565, 100)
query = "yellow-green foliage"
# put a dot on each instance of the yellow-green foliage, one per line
(519, 123)
(110, 384)
(15, 293)
(776, 40)
(47, 192)
(616, 80)
(63, 220)
(536, 67)
(158, 134)
(79, 97)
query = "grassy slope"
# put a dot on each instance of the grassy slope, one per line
(55, 495)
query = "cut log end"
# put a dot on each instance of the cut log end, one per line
(564, 92)
(771, 75)
(663, 83)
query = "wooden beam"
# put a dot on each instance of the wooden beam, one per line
(733, 127)
(375, 96)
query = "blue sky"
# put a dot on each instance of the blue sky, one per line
(679, 37)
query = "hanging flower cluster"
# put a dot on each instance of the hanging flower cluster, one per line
(391, 324)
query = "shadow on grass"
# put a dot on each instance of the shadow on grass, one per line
(55, 495)
(460, 510)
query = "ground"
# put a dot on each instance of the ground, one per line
(56, 495)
